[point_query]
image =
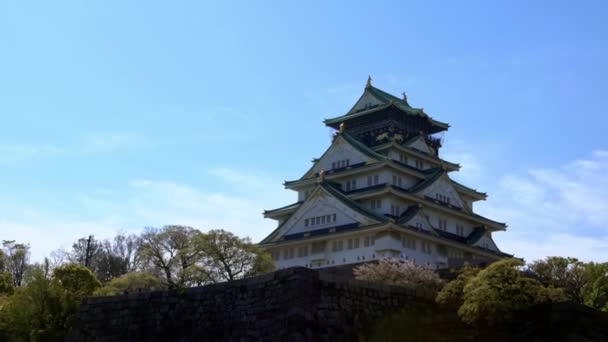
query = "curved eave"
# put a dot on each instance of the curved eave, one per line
(283, 210)
(468, 191)
(335, 122)
(405, 194)
(359, 146)
(412, 151)
(299, 183)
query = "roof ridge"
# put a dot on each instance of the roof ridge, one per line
(351, 203)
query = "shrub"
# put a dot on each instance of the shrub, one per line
(400, 273)
(496, 294)
(130, 282)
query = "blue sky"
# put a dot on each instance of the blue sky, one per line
(119, 115)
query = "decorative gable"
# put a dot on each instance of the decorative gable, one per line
(421, 145)
(486, 242)
(444, 191)
(341, 153)
(420, 220)
(366, 101)
(321, 210)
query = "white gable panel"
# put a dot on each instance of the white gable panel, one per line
(443, 187)
(340, 150)
(322, 204)
(486, 242)
(420, 221)
(421, 145)
(366, 101)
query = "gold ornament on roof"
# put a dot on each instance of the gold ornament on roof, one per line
(342, 126)
(322, 175)
(369, 82)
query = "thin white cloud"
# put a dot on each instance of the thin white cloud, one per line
(555, 211)
(147, 202)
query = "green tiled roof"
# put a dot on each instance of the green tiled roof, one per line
(351, 203)
(359, 146)
(327, 186)
(408, 214)
(289, 206)
(386, 100)
(466, 187)
(427, 181)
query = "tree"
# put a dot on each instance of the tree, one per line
(116, 257)
(38, 311)
(403, 273)
(583, 283)
(224, 257)
(6, 284)
(595, 290)
(170, 253)
(496, 294)
(16, 257)
(451, 295)
(129, 283)
(77, 280)
(565, 273)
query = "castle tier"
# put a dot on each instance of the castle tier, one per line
(381, 190)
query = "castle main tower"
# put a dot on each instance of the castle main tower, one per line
(381, 190)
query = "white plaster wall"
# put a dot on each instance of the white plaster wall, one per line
(366, 101)
(421, 145)
(441, 186)
(341, 150)
(355, 255)
(452, 221)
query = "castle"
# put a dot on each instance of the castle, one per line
(382, 190)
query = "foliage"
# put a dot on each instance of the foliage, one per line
(496, 294)
(565, 273)
(16, 256)
(36, 312)
(224, 256)
(171, 253)
(451, 295)
(6, 284)
(400, 273)
(107, 259)
(583, 283)
(77, 280)
(129, 283)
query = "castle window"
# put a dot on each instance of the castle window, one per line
(426, 247)
(443, 224)
(376, 204)
(333, 217)
(419, 164)
(337, 245)
(376, 179)
(408, 242)
(403, 158)
(305, 222)
(350, 243)
(333, 165)
(366, 241)
(356, 242)
(317, 220)
(459, 229)
(318, 247)
(302, 251)
(322, 219)
(369, 180)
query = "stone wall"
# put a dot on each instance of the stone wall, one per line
(296, 304)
